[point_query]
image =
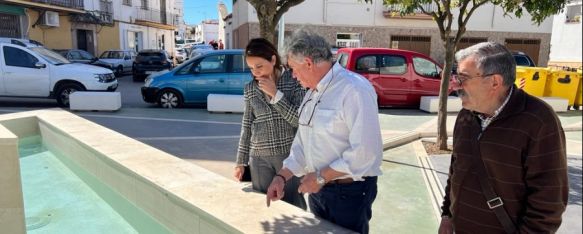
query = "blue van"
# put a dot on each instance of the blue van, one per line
(213, 71)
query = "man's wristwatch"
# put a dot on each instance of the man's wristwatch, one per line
(319, 179)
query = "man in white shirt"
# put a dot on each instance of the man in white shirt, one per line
(337, 148)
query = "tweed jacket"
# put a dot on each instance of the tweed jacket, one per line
(523, 150)
(269, 130)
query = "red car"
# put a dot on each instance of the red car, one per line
(400, 77)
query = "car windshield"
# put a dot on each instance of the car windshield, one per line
(112, 55)
(51, 56)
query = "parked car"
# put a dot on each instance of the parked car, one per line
(151, 61)
(195, 49)
(81, 56)
(400, 77)
(180, 54)
(214, 71)
(119, 61)
(521, 58)
(28, 69)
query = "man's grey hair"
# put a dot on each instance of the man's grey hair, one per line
(491, 58)
(305, 43)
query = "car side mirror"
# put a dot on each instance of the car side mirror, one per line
(40, 65)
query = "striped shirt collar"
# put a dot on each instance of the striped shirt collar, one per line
(485, 121)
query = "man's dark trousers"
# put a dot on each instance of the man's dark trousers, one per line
(348, 205)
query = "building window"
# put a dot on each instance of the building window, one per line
(10, 26)
(145, 4)
(127, 2)
(352, 40)
(573, 14)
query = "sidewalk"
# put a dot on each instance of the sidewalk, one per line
(411, 188)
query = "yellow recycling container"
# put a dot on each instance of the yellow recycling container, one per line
(562, 84)
(531, 79)
(578, 102)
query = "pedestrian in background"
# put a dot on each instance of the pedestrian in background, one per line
(338, 148)
(508, 171)
(270, 120)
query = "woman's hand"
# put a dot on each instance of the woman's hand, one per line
(238, 173)
(267, 85)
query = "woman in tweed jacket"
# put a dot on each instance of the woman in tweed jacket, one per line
(270, 120)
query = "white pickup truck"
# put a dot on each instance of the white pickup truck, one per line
(27, 69)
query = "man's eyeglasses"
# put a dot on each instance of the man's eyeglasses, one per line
(460, 79)
(308, 122)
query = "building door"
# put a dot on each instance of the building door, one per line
(470, 41)
(414, 43)
(85, 40)
(10, 26)
(528, 46)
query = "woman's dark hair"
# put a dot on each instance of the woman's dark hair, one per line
(260, 47)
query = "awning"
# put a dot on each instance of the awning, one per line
(10, 9)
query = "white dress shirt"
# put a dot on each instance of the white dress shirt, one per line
(344, 131)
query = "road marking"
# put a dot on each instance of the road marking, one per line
(160, 119)
(185, 138)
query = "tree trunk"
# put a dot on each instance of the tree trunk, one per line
(443, 95)
(267, 30)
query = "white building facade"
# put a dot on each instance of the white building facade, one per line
(353, 23)
(566, 39)
(179, 20)
(146, 24)
(206, 31)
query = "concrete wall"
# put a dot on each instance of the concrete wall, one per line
(52, 37)
(108, 38)
(183, 197)
(11, 198)
(358, 13)
(566, 41)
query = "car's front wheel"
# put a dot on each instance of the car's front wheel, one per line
(169, 99)
(64, 91)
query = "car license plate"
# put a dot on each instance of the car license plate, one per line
(149, 72)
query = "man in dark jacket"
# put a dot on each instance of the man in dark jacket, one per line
(507, 142)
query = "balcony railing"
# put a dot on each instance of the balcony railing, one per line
(156, 16)
(76, 4)
(395, 9)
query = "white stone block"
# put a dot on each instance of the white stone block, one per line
(106, 101)
(558, 104)
(225, 103)
(431, 104)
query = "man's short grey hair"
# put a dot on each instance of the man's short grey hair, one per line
(305, 43)
(491, 58)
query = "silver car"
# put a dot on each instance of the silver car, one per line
(119, 61)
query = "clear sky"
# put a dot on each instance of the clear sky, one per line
(197, 10)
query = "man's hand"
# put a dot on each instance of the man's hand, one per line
(275, 190)
(445, 227)
(238, 173)
(309, 184)
(267, 85)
